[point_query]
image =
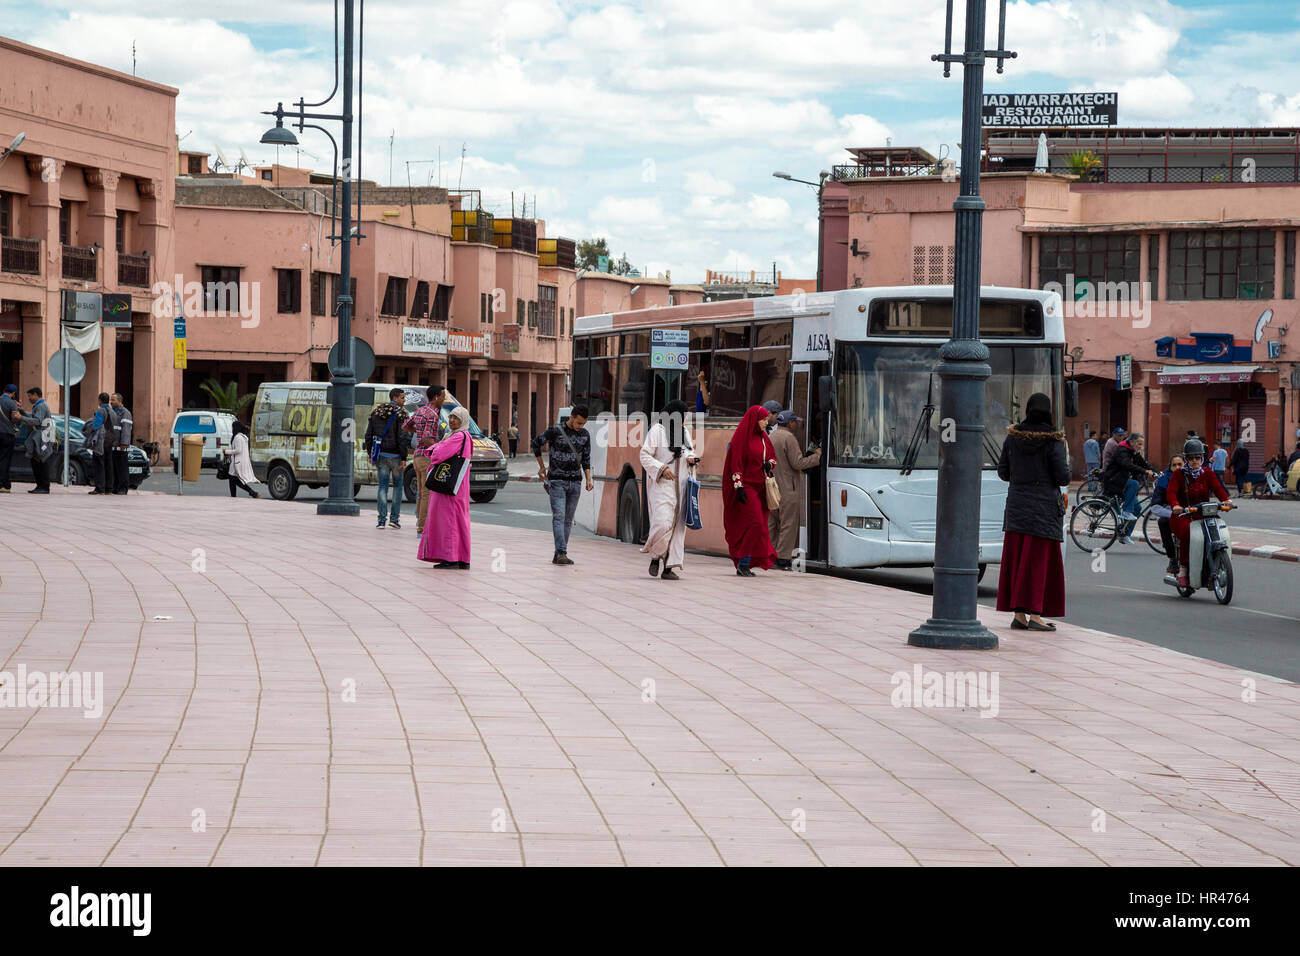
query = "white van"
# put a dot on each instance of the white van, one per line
(290, 440)
(214, 446)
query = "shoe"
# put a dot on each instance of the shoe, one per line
(1125, 516)
(447, 566)
(94, 491)
(382, 524)
(1035, 626)
(119, 492)
(395, 525)
(464, 565)
(1125, 539)
(1183, 582)
(4, 491)
(39, 491)
(253, 494)
(1171, 568)
(561, 558)
(745, 573)
(654, 567)
(669, 575)
(1018, 625)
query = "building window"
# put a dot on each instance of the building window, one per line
(119, 233)
(1288, 266)
(561, 322)
(65, 223)
(1153, 266)
(519, 311)
(394, 297)
(267, 175)
(220, 289)
(6, 223)
(194, 165)
(288, 292)
(336, 285)
(1089, 257)
(442, 304)
(546, 309)
(1221, 264)
(318, 294)
(420, 307)
(933, 265)
(482, 307)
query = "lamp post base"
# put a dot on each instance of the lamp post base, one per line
(338, 506)
(953, 635)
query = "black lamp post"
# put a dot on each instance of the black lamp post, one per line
(963, 368)
(820, 186)
(342, 376)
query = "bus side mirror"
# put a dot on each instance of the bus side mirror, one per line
(1071, 399)
(826, 392)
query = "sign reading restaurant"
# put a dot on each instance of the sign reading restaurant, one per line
(1051, 109)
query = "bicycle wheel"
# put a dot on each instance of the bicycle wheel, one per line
(1087, 489)
(1151, 531)
(1094, 524)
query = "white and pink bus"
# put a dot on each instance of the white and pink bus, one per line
(858, 367)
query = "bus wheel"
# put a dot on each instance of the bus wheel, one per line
(980, 576)
(629, 513)
(281, 483)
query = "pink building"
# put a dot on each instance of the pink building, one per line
(1176, 211)
(86, 206)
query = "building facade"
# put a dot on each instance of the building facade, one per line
(1172, 268)
(86, 206)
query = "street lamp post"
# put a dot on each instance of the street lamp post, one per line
(343, 376)
(963, 368)
(819, 186)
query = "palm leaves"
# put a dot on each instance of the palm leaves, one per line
(226, 397)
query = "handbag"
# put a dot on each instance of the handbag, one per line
(223, 469)
(446, 476)
(693, 520)
(773, 493)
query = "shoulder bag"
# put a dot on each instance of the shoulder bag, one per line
(377, 443)
(446, 476)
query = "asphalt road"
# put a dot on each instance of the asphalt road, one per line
(1258, 631)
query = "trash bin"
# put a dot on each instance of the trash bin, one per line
(191, 456)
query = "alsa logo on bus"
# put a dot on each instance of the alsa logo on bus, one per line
(818, 342)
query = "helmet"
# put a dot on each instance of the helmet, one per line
(1193, 446)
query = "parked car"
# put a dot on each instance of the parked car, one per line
(80, 466)
(291, 437)
(214, 446)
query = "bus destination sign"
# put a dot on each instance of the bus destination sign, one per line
(670, 349)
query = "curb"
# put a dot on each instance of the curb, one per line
(1274, 551)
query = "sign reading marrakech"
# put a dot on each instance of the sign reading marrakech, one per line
(1051, 109)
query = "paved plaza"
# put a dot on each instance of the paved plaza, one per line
(282, 688)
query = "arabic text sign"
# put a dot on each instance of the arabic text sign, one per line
(670, 349)
(424, 340)
(1051, 109)
(1123, 371)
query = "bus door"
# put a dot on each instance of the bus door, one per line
(812, 431)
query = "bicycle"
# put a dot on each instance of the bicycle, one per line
(1096, 520)
(1151, 531)
(1090, 487)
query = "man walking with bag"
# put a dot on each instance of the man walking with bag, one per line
(40, 443)
(10, 416)
(387, 443)
(783, 523)
(570, 447)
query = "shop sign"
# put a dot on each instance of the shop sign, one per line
(430, 341)
(117, 311)
(469, 343)
(1123, 372)
(510, 337)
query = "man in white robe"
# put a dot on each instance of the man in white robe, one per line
(666, 480)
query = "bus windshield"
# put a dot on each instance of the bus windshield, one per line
(883, 388)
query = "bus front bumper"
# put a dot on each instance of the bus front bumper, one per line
(854, 550)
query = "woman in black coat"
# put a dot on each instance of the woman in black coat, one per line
(1033, 460)
(1240, 465)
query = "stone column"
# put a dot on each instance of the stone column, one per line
(1162, 280)
(1034, 261)
(41, 325)
(1273, 437)
(491, 399)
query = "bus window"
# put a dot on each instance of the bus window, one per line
(728, 384)
(600, 385)
(770, 366)
(701, 348)
(632, 383)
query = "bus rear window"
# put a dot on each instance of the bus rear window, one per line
(1001, 318)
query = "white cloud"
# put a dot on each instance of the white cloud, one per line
(1163, 98)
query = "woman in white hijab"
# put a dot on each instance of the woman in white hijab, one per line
(666, 454)
(446, 530)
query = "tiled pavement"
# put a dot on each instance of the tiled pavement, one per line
(525, 713)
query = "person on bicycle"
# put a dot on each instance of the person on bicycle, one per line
(1160, 508)
(1121, 479)
(1188, 487)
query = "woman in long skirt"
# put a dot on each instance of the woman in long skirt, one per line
(666, 454)
(750, 459)
(446, 529)
(1033, 460)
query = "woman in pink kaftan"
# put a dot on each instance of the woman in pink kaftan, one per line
(446, 528)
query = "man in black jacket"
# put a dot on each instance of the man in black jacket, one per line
(1121, 478)
(390, 462)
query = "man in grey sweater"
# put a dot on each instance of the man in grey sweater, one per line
(10, 416)
(40, 443)
(122, 443)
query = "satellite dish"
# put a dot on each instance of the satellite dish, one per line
(243, 159)
(221, 158)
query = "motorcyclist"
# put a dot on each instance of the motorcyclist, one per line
(1160, 508)
(1188, 487)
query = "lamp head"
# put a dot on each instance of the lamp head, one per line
(782, 175)
(277, 135)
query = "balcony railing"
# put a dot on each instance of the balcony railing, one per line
(79, 263)
(22, 256)
(1190, 174)
(132, 270)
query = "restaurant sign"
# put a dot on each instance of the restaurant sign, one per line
(1051, 109)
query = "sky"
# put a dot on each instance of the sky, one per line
(658, 125)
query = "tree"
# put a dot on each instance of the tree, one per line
(590, 252)
(226, 397)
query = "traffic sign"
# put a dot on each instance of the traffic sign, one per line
(363, 359)
(179, 360)
(76, 367)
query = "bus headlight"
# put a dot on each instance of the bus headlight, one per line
(858, 522)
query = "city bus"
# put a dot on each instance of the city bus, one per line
(858, 366)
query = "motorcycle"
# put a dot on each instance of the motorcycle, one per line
(1209, 564)
(1274, 483)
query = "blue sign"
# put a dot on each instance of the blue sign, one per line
(1207, 347)
(178, 327)
(1213, 347)
(1123, 372)
(1274, 349)
(1165, 347)
(670, 349)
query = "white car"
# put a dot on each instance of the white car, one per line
(214, 446)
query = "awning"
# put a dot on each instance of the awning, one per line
(1204, 374)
